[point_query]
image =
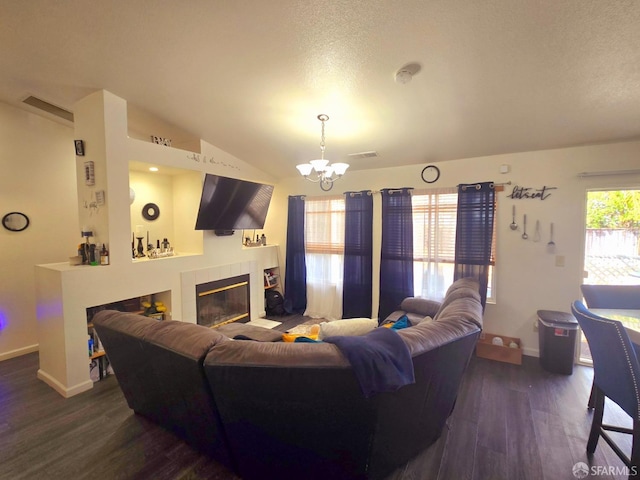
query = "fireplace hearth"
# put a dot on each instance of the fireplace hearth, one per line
(223, 301)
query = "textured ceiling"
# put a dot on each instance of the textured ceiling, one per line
(250, 77)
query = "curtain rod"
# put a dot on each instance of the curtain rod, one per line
(606, 173)
(371, 192)
(477, 185)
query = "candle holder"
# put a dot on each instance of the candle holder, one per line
(140, 248)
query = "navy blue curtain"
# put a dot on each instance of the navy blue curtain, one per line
(396, 259)
(474, 233)
(358, 247)
(295, 281)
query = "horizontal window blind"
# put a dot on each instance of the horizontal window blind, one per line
(434, 225)
(324, 225)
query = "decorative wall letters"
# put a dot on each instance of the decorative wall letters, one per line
(161, 140)
(196, 157)
(519, 193)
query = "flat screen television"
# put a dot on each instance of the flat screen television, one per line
(229, 204)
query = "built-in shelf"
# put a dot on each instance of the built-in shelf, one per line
(159, 259)
(271, 278)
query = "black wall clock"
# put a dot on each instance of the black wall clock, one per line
(15, 221)
(150, 211)
(430, 174)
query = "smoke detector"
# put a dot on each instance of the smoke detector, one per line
(406, 73)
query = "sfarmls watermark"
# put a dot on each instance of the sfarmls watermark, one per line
(582, 470)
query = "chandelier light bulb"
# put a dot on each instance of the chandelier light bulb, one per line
(305, 169)
(340, 168)
(319, 165)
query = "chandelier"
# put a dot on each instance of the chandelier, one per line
(320, 171)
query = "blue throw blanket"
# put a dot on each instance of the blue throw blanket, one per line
(380, 359)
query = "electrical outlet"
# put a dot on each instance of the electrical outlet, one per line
(535, 325)
(559, 260)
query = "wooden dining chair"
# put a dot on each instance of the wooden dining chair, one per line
(616, 376)
(610, 296)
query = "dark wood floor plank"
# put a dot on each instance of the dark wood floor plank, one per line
(555, 450)
(489, 464)
(492, 421)
(578, 447)
(460, 451)
(524, 461)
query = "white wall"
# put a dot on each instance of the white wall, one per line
(37, 160)
(527, 276)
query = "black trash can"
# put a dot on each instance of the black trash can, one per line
(557, 333)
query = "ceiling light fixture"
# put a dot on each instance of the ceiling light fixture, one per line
(323, 172)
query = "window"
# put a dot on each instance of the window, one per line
(324, 247)
(434, 242)
(612, 242)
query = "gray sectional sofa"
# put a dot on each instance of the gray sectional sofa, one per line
(276, 410)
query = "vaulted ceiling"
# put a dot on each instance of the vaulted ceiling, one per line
(251, 76)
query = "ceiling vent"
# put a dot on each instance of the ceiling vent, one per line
(371, 154)
(49, 108)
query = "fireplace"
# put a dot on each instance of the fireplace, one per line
(223, 301)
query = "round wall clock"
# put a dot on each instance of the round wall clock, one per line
(150, 211)
(430, 174)
(15, 221)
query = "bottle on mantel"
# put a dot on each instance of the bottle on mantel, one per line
(104, 255)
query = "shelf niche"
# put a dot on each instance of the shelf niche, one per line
(176, 194)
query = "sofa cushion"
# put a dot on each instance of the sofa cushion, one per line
(422, 320)
(466, 282)
(347, 327)
(182, 338)
(462, 288)
(242, 331)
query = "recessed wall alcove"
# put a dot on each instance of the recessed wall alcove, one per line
(176, 193)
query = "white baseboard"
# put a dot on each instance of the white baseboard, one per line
(66, 392)
(19, 352)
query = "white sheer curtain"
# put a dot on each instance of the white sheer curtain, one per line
(324, 247)
(434, 240)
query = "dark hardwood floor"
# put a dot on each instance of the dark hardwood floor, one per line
(510, 422)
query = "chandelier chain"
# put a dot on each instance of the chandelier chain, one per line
(323, 118)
